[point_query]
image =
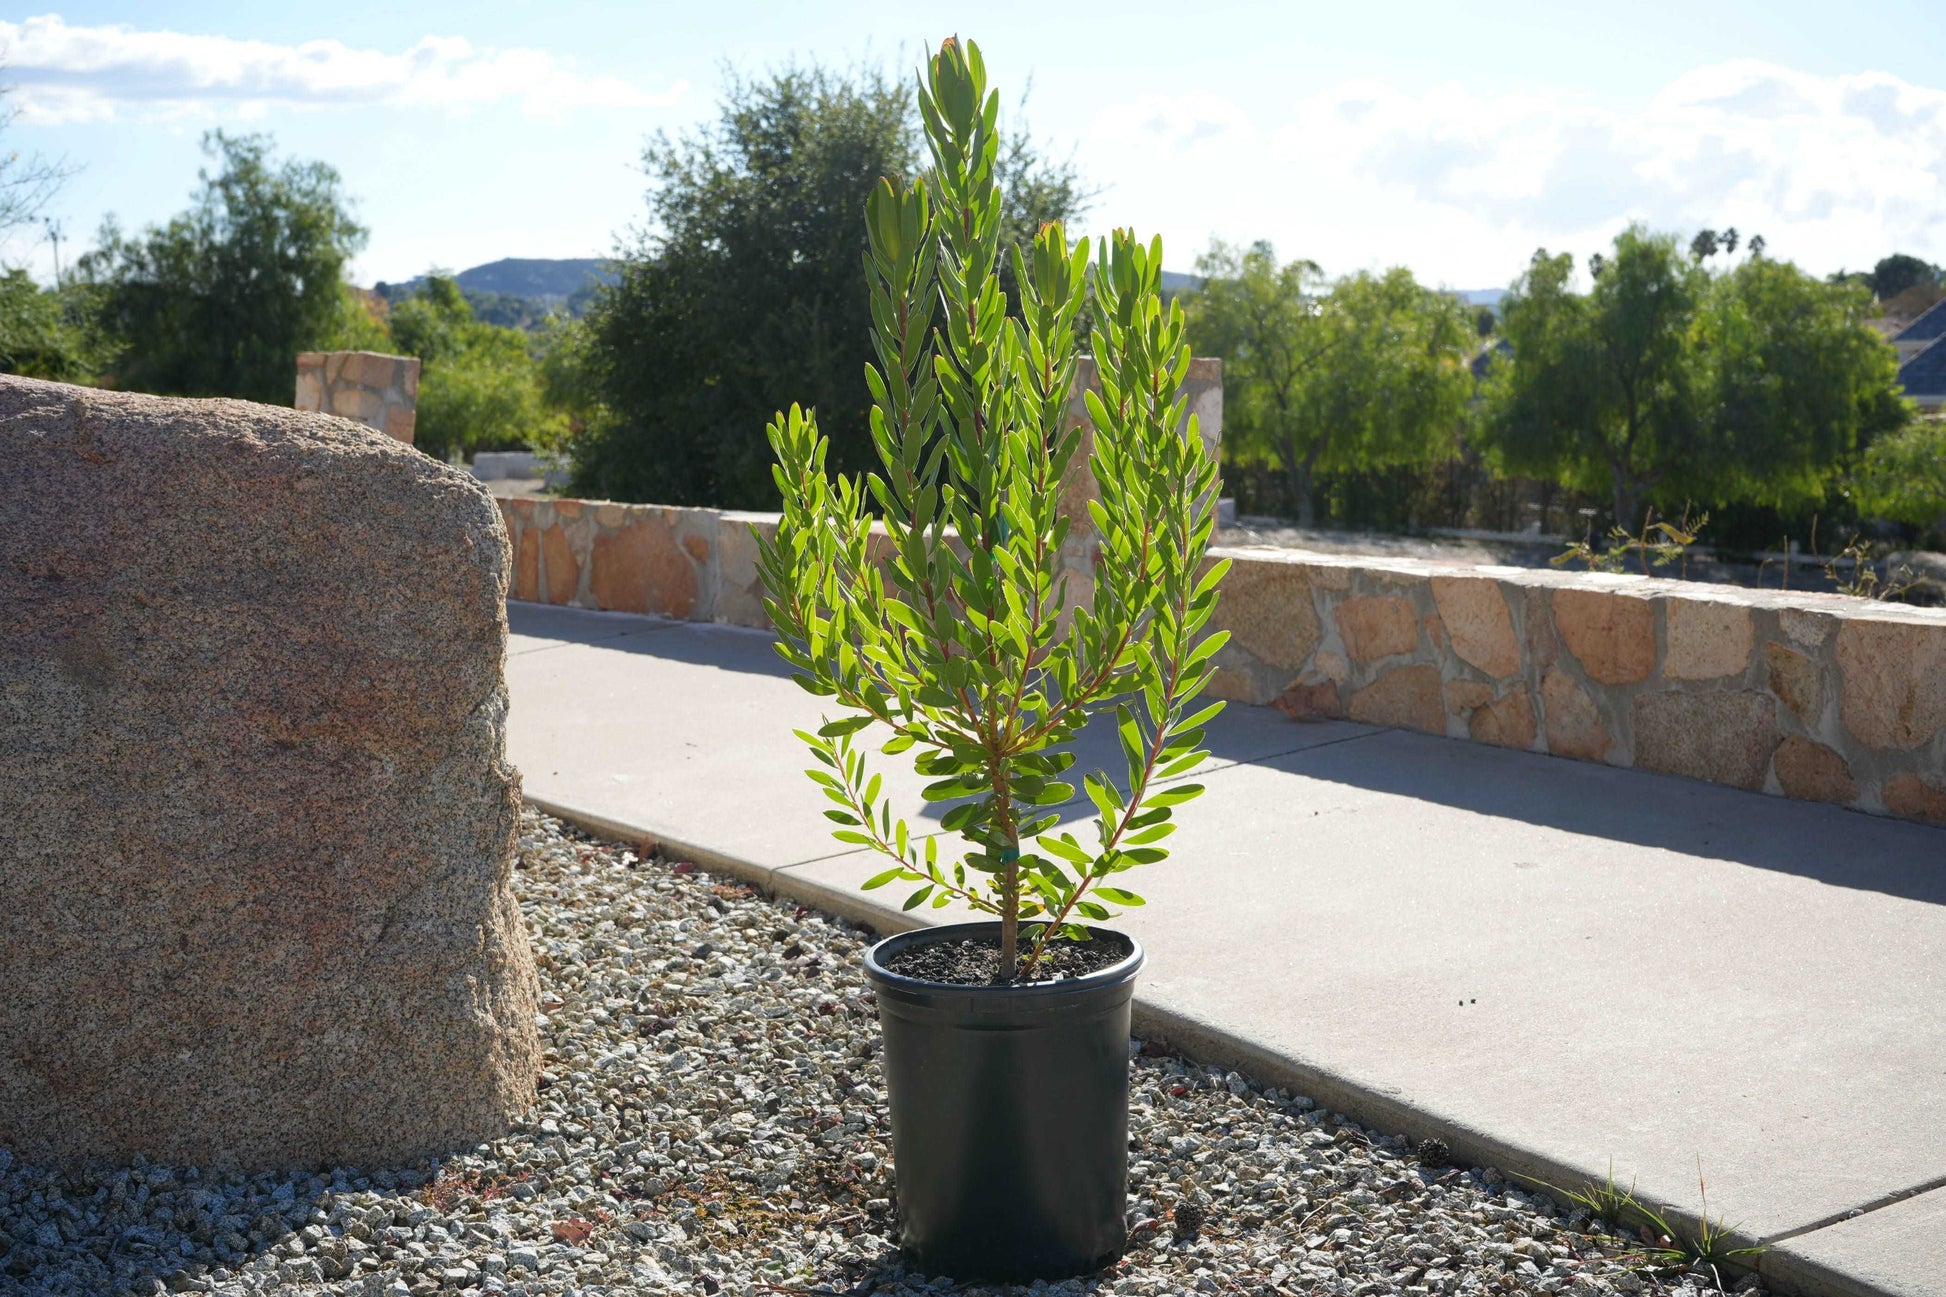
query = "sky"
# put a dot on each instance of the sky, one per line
(1453, 140)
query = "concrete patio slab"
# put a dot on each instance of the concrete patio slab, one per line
(1897, 1251)
(1570, 963)
(686, 730)
(1548, 963)
(536, 627)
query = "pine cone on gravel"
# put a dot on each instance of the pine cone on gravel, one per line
(1433, 1152)
(1189, 1219)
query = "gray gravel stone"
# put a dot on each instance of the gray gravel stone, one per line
(761, 1164)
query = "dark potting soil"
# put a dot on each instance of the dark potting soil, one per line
(975, 961)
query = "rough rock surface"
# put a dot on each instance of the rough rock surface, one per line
(1479, 624)
(1407, 696)
(1377, 626)
(1612, 634)
(1727, 737)
(1268, 611)
(1574, 724)
(1706, 640)
(259, 821)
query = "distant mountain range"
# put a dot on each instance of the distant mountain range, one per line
(552, 281)
(541, 277)
(549, 280)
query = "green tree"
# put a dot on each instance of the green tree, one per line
(1902, 271)
(219, 301)
(1666, 382)
(359, 325)
(480, 386)
(750, 291)
(1367, 374)
(44, 333)
(1796, 383)
(1598, 392)
(567, 374)
(1903, 475)
(48, 332)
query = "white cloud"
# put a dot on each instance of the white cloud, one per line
(80, 74)
(1464, 182)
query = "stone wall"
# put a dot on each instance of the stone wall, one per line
(1821, 697)
(690, 564)
(381, 392)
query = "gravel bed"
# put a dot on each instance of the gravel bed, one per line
(713, 1121)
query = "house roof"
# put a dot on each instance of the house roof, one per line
(1931, 324)
(1925, 373)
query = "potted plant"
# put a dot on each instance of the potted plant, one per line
(929, 601)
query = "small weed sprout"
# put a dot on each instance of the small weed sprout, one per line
(1862, 580)
(1710, 1244)
(1663, 1246)
(1658, 544)
(1607, 1202)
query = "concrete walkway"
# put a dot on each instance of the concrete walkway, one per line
(1549, 964)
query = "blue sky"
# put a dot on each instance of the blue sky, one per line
(1451, 139)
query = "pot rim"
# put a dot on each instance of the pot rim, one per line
(1121, 971)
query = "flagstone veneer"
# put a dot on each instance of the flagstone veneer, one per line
(1819, 697)
(379, 391)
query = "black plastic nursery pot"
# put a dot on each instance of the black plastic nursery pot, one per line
(1009, 1115)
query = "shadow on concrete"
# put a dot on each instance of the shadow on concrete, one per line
(536, 627)
(1240, 734)
(1827, 843)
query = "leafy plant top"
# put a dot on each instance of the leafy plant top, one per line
(929, 599)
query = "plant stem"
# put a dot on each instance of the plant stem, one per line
(1003, 818)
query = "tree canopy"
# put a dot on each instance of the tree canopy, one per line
(1667, 382)
(1902, 475)
(218, 301)
(1902, 271)
(1368, 371)
(748, 290)
(48, 332)
(481, 385)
